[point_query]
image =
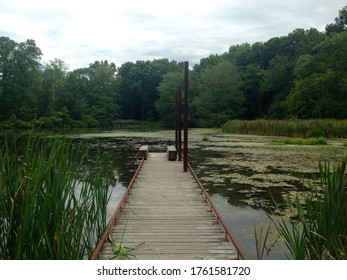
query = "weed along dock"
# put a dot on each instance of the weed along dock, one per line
(165, 213)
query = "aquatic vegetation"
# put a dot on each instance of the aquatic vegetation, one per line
(238, 171)
(301, 141)
(261, 240)
(51, 207)
(328, 128)
(319, 229)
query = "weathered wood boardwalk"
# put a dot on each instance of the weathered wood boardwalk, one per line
(167, 212)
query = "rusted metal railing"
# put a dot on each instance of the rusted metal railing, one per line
(113, 219)
(228, 235)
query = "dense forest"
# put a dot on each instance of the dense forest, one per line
(300, 76)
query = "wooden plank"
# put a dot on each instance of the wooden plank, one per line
(166, 213)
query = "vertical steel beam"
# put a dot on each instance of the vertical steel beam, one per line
(186, 74)
(176, 119)
(179, 124)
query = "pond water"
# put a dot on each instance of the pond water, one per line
(240, 172)
(243, 174)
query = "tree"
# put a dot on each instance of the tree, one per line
(104, 90)
(251, 77)
(77, 97)
(208, 62)
(138, 87)
(340, 23)
(275, 86)
(240, 55)
(91, 95)
(300, 42)
(20, 78)
(167, 90)
(320, 79)
(55, 74)
(220, 96)
(7, 52)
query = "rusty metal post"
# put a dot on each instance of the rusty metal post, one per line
(176, 120)
(179, 125)
(186, 73)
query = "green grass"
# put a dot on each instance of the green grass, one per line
(150, 125)
(261, 240)
(318, 229)
(328, 128)
(51, 207)
(121, 251)
(301, 141)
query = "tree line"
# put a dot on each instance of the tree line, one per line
(301, 75)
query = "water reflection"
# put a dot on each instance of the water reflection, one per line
(119, 155)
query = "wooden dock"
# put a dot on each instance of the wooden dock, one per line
(166, 212)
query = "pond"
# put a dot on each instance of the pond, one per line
(242, 173)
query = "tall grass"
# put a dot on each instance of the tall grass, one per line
(261, 241)
(328, 128)
(319, 230)
(51, 207)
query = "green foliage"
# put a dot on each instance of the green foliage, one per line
(275, 85)
(45, 187)
(138, 87)
(20, 78)
(31, 97)
(327, 128)
(261, 240)
(319, 88)
(120, 250)
(149, 125)
(300, 141)
(220, 96)
(167, 91)
(54, 76)
(315, 141)
(302, 75)
(319, 230)
(340, 23)
(92, 95)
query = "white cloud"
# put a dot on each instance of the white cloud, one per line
(80, 32)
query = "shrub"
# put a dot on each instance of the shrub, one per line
(301, 141)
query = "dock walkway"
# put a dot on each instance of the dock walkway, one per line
(166, 212)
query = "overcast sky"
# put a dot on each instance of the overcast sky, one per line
(81, 32)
